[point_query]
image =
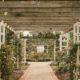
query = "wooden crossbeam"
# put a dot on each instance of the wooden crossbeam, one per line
(23, 4)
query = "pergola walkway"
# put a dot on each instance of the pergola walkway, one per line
(39, 71)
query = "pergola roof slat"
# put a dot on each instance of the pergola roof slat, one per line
(40, 15)
(23, 4)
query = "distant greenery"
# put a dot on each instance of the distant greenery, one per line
(45, 35)
(39, 57)
(46, 39)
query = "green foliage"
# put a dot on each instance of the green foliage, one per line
(71, 37)
(40, 35)
(9, 36)
(72, 60)
(39, 57)
(50, 50)
(46, 35)
(18, 51)
(49, 35)
(57, 35)
(67, 62)
(16, 44)
(7, 62)
(62, 62)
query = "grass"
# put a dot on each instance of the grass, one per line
(54, 66)
(24, 66)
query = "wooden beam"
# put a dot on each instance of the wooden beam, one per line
(23, 4)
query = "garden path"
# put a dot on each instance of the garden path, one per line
(39, 71)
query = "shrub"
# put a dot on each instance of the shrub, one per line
(7, 63)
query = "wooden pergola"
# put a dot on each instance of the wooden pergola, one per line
(40, 15)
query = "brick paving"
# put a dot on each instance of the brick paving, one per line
(39, 71)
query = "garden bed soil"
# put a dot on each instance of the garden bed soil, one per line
(17, 74)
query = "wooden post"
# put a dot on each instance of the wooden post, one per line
(54, 51)
(77, 63)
